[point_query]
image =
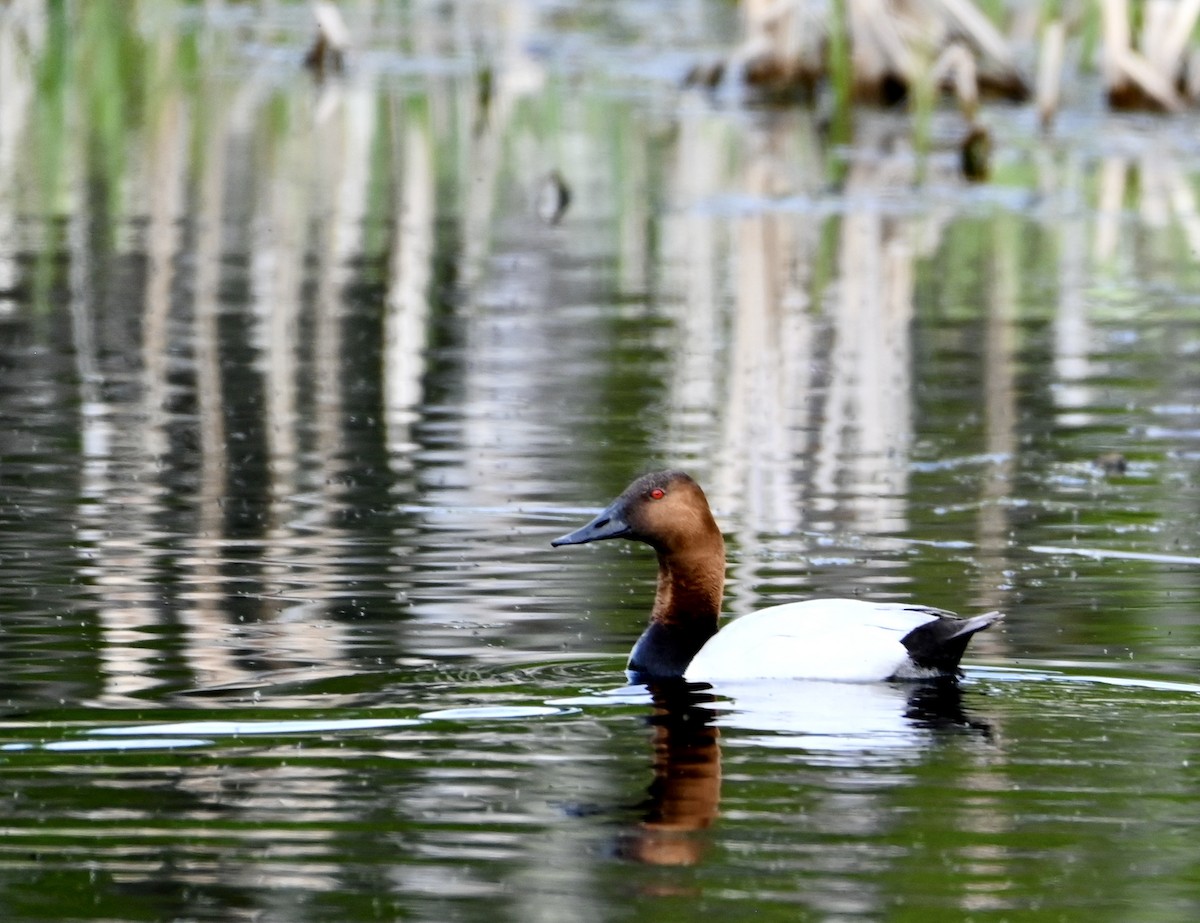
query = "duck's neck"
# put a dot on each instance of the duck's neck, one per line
(690, 586)
(687, 603)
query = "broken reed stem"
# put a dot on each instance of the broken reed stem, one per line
(1149, 77)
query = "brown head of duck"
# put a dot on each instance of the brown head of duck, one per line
(668, 511)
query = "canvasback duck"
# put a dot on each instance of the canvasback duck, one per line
(850, 640)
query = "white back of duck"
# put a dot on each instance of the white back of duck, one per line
(844, 640)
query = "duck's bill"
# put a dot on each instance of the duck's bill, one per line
(609, 524)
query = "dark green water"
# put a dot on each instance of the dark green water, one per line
(296, 387)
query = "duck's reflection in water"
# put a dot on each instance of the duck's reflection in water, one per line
(685, 793)
(844, 724)
(832, 724)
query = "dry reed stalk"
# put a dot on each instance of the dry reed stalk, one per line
(1148, 78)
(995, 62)
(895, 40)
(784, 47)
(1049, 77)
(980, 30)
(1114, 16)
(1147, 82)
(878, 52)
(891, 45)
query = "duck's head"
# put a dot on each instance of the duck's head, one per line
(666, 509)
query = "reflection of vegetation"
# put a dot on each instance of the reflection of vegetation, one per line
(749, 326)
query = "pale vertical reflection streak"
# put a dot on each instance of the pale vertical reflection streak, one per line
(95, 414)
(634, 205)
(765, 429)
(326, 156)
(504, 326)
(505, 32)
(127, 573)
(693, 250)
(1182, 196)
(765, 435)
(797, 418)
(22, 30)
(278, 246)
(165, 191)
(206, 650)
(1000, 348)
(343, 167)
(1154, 204)
(331, 158)
(1072, 326)
(1113, 174)
(866, 433)
(406, 305)
(987, 776)
(406, 318)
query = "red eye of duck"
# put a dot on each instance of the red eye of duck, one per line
(657, 494)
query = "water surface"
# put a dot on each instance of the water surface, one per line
(296, 387)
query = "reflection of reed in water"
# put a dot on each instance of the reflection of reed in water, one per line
(817, 417)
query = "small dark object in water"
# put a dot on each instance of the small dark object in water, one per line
(708, 74)
(1112, 463)
(328, 51)
(554, 195)
(976, 153)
